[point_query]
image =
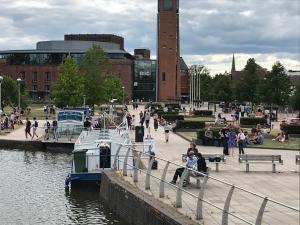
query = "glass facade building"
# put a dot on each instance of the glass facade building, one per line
(144, 81)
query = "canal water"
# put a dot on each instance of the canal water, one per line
(32, 192)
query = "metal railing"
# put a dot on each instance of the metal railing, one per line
(199, 215)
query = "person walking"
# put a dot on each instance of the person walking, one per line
(167, 129)
(54, 129)
(27, 128)
(47, 127)
(241, 138)
(142, 118)
(34, 128)
(147, 118)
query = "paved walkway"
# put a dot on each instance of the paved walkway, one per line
(19, 133)
(282, 186)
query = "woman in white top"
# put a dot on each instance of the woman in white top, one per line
(241, 141)
(167, 129)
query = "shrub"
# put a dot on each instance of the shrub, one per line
(290, 129)
(252, 121)
(201, 132)
(161, 112)
(182, 124)
(172, 117)
(203, 113)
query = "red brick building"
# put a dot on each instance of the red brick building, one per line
(38, 68)
(172, 77)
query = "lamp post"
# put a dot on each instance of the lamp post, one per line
(19, 102)
(84, 100)
(123, 94)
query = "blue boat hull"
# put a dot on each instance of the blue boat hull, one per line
(84, 179)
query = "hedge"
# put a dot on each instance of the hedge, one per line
(201, 133)
(203, 113)
(290, 129)
(172, 117)
(252, 121)
(182, 124)
(161, 112)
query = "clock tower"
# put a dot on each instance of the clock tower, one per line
(168, 52)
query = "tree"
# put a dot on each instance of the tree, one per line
(275, 88)
(222, 88)
(111, 88)
(9, 89)
(95, 62)
(246, 88)
(295, 98)
(68, 90)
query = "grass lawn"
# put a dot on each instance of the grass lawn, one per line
(36, 111)
(292, 143)
(188, 135)
(204, 119)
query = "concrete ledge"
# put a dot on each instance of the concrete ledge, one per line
(37, 146)
(135, 206)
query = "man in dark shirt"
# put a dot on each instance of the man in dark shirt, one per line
(87, 124)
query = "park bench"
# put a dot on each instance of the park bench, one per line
(218, 158)
(297, 159)
(261, 159)
(197, 177)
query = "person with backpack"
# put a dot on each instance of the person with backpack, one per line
(27, 128)
(34, 125)
(54, 129)
(47, 127)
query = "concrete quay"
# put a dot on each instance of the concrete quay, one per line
(282, 186)
(16, 140)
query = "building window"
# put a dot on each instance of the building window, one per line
(47, 87)
(34, 87)
(22, 75)
(47, 76)
(34, 77)
(168, 5)
(163, 76)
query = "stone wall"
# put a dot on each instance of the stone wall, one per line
(135, 206)
(37, 146)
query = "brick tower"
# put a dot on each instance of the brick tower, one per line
(168, 52)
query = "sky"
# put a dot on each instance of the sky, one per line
(210, 30)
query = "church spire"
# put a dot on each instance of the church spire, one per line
(233, 64)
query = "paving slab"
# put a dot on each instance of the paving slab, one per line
(282, 186)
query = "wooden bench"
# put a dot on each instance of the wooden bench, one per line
(297, 159)
(197, 177)
(261, 159)
(209, 156)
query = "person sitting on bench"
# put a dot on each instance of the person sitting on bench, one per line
(201, 164)
(191, 161)
(192, 148)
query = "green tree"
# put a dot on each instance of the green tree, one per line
(295, 98)
(9, 89)
(222, 88)
(95, 62)
(275, 88)
(246, 87)
(68, 90)
(111, 88)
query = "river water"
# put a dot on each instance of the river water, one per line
(32, 192)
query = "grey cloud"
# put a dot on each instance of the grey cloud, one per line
(207, 26)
